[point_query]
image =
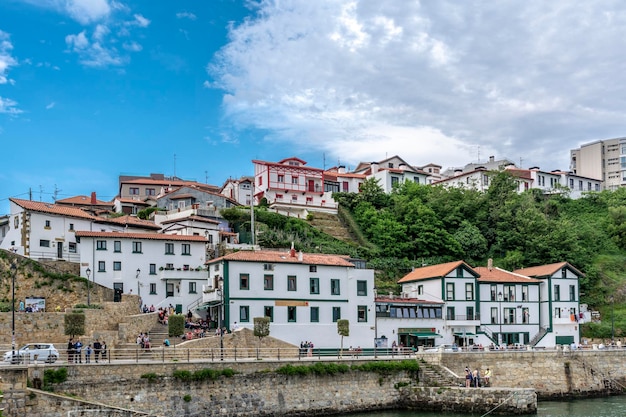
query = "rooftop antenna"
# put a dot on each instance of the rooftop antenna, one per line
(520, 161)
(56, 193)
(324, 160)
(174, 165)
(40, 191)
(206, 177)
(478, 151)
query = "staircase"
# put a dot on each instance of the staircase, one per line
(538, 336)
(331, 225)
(435, 375)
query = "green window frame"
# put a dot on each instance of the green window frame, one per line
(244, 314)
(361, 287)
(335, 288)
(244, 281)
(314, 285)
(315, 314)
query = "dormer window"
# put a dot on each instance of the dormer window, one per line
(268, 267)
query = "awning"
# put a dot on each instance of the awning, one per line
(464, 334)
(425, 335)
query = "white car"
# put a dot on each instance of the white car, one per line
(443, 348)
(44, 352)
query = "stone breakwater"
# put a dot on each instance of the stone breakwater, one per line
(254, 391)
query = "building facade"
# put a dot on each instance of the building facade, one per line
(603, 160)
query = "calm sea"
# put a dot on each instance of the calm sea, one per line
(595, 407)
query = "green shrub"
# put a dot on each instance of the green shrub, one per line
(176, 325)
(187, 398)
(182, 374)
(150, 376)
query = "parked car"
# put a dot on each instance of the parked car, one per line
(44, 352)
(443, 348)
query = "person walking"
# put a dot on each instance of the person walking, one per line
(97, 347)
(78, 346)
(487, 377)
(88, 352)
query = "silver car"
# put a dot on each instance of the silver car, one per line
(43, 352)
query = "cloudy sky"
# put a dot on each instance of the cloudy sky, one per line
(91, 89)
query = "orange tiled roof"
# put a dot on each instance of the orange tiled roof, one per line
(546, 270)
(133, 235)
(284, 257)
(432, 271)
(130, 221)
(50, 208)
(403, 300)
(501, 275)
(132, 201)
(83, 200)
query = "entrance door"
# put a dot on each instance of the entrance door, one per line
(311, 186)
(60, 250)
(118, 290)
(169, 290)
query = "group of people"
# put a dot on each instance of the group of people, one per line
(306, 348)
(75, 350)
(143, 340)
(30, 308)
(474, 379)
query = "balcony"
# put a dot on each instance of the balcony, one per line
(165, 273)
(463, 320)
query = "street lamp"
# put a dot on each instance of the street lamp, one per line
(138, 285)
(220, 316)
(88, 272)
(500, 318)
(14, 268)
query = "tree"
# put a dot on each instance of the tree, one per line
(261, 327)
(343, 328)
(75, 323)
(175, 325)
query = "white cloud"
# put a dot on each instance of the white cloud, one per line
(87, 11)
(139, 21)
(93, 53)
(186, 15)
(132, 46)
(8, 106)
(50, 106)
(6, 59)
(367, 78)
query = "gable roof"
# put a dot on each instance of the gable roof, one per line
(284, 257)
(501, 275)
(129, 221)
(83, 200)
(434, 271)
(547, 270)
(50, 208)
(192, 217)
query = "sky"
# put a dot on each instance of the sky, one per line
(93, 89)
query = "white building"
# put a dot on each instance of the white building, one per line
(162, 269)
(394, 171)
(604, 160)
(239, 190)
(303, 294)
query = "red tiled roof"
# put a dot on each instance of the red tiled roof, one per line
(133, 235)
(501, 275)
(403, 300)
(130, 221)
(132, 201)
(53, 209)
(547, 270)
(284, 257)
(432, 271)
(519, 173)
(282, 165)
(193, 217)
(83, 200)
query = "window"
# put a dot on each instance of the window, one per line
(361, 314)
(244, 281)
(117, 266)
(101, 266)
(136, 247)
(361, 288)
(314, 284)
(315, 314)
(291, 314)
(469, 291)
(557, 293)
(244, 314)
(192, 287)
(294, 180)
(101, 245)
(294, 198)
(394, 181)
(336, 314)
(291, 283)
(268, 282)
(525, 315)
(71, 227)
(150, 191)
(186, 249)
(169, 267)
(312, 268)
(420, 290)
(281, 178)
(469, 311)
(416, 180)
(117, 246)
(509, 316)
(268, 267)
(169, 248)
(334, 287)
(153, 288)
(133, 191)
(44, 243)
(509, 292)
(450, 313)
(47, 224)
(494, 315)
(268, 311)
(450, 291)
(524, 292)
(71, 247)
(572, 293)
(152, 269)
(493, 290)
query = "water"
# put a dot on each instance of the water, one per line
(593, 407)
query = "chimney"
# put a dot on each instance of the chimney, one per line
(492, 158)
(402, 167)
(374, 167)
(93, 197)
(490, 264)
(341, 169)
(292, 252)
(300, 256)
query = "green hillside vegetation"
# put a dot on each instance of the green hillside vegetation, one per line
(419, 225)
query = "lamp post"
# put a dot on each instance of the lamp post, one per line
(14, 268)
(138, 284)
(500, 318)
(221, 317)
(88, 272)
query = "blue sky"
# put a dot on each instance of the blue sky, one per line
(91, 89)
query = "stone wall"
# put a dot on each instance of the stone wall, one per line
(551, 373)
